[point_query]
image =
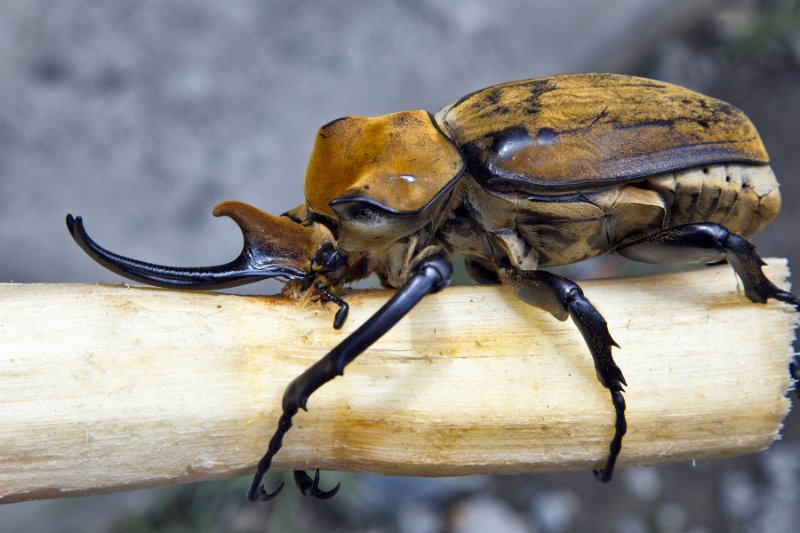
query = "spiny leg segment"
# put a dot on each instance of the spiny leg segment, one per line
(563, 298)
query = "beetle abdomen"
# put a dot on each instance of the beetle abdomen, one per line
(743, 198)
(530, 231)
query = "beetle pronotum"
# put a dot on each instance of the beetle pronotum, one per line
(514, 177)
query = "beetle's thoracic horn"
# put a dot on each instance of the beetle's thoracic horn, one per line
(274, 247)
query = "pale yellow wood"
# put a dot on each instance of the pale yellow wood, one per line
(107, 387)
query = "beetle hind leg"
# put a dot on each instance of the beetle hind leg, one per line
(710, 243)
(480, 271)
(713, 243)
(564, 298)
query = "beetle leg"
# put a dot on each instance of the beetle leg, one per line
(794, 370)
(707, 243)
(563, 298)
(341, 314)
(712, 243)
(480, 271)
(430, 275)
(310, 487)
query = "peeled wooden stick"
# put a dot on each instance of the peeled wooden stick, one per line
(110, 388)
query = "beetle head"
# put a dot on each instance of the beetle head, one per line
(274, 247)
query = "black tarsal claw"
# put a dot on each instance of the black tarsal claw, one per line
(794, 371)
(787, 297)
(604, 475)
(258, 493)
(310, 487)
(341, 316)
(794, 366)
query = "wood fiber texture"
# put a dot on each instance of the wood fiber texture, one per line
(110, 388)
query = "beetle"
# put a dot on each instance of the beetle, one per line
(514, 177)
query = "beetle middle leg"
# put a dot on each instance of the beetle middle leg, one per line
(563, 298)
(430, 275)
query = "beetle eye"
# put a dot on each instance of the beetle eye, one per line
(329, 261)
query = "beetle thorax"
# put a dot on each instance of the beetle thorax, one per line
(392, 264)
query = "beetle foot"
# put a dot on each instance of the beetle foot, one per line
(310, 487)
(258, 493)
(605, 474)
(344, 308)
(794, 371)
(759, 289)
(744, 259)
(785, 296)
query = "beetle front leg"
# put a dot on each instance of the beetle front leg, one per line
(563, 298)
(430, 275)
(344, 308)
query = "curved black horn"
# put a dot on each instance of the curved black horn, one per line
(251, 265)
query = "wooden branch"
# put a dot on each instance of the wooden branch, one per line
(109, 388)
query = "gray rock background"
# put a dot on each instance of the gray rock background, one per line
(141, 116)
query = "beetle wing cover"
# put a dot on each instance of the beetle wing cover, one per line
(583, 131)
(398, 163)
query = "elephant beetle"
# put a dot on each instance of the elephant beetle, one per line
(515, 177)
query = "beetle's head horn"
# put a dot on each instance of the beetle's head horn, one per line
(274, 247)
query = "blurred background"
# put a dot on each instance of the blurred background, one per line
(141, 116)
